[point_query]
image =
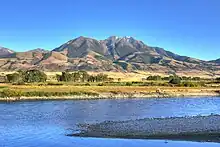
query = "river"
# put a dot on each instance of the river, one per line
(46, 123)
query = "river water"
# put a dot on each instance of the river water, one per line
(46, 123)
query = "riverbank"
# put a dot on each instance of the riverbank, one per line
(197, 128)
(20, 92)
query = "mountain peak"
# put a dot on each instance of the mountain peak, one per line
(3, 49)
(4, 52)
(113, 37)
(83, 38)
(128, 37)
(39, 50)
(119, 37)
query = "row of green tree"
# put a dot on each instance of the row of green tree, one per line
(82, 76)
(172, 79)
(29, 76)
(159, 78)
(32, 76)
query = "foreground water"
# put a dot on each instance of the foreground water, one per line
(46, 123)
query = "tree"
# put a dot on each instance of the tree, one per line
(91, 78)
(13, 78)
(154, 78)
(175, 80)
(84, 76)
(186, 78)
(32, 76)
(101, 77)
(76, 77)
(65, 77)
(81, 76)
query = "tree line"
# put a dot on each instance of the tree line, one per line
(29, 76)
(35, 76)
(82, 76)
(159, 78)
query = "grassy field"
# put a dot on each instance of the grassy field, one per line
(130, 85)
(71, 91)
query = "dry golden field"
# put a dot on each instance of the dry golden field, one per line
(129, 76)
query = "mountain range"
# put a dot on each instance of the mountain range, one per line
(123, 54)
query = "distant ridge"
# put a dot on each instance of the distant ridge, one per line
(112, 54)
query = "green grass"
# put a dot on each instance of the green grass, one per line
(18, 93)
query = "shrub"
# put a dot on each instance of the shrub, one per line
(190, 84)
(154, 78)
(11, 93)
(186, 78)
(128, 84)
(175, 80)
(101, 84)
(166, 78)
(87, 84)
(13, 78)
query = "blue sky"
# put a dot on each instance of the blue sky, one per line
(186, 27)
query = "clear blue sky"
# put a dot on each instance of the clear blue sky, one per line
(186, 27)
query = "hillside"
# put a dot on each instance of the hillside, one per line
(124, 54)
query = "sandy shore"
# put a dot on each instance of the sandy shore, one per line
(199, 128)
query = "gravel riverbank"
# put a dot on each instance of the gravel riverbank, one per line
(198, 128)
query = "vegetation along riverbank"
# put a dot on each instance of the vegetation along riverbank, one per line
(37, 85)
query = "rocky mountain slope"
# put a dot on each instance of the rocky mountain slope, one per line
(111, 54)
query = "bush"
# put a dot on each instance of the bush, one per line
(190, 84)
(87, 84)
(175, 80)
(186, 78)
(154, 78)
(14, 78)
(11, 93)
(128, 84)
(101, 84)
(166, 78)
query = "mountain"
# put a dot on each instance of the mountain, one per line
(217, 61)
(112, 54)
(5, 52)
